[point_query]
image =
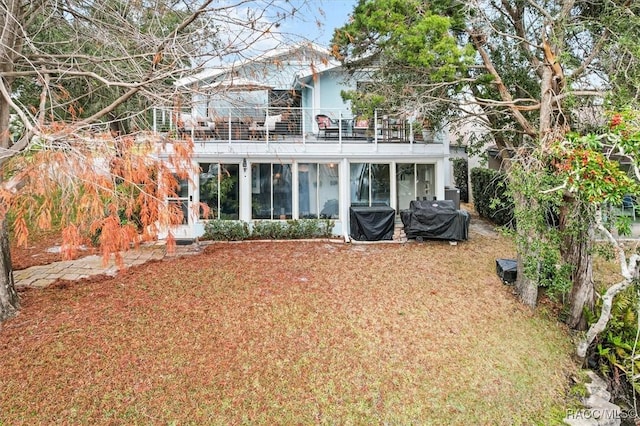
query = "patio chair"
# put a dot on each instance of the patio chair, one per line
(259, 130)
(201, 128)
(327, 125)
(360, 127)
(629, 205)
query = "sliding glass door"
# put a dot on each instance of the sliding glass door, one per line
(370, 184)
(414, 182)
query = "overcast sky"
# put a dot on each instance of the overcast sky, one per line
(332, 13)
(314, 20)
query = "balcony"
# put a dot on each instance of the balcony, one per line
(290, 126)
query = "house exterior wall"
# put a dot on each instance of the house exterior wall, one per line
(321, 95)
(467, 134)
(343, 156)
(331, 84)
(413, 170)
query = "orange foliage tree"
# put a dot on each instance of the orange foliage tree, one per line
(78, 83)
(88, 191)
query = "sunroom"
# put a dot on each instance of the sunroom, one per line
(252, 189)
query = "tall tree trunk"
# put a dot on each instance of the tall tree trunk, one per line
(582, 290)
(576, 251)
(10, 47)
(9, 302)
(526, 287)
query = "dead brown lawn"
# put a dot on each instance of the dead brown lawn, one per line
(288, 333)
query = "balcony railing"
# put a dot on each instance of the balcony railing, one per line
(293, 125)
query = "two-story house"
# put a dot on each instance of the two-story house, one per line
(275, 140)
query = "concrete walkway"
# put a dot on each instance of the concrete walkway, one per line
(43, 275)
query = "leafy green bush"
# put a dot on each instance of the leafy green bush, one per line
(226, 230)
(491, 196)
(310, 228)
(614, 349)
(292, 229)
(461, 177)
(268, 229)
(233, 230)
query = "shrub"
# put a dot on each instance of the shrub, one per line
(461, 177)
(226, 230)
(491, 196)
(235, 230)
(613, 352)
(292, 229)
(267, 229)
(310, 228)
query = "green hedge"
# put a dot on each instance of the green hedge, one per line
(226, 230)
(233, 230)
(461, 177)
(491, 196)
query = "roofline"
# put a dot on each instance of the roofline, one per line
(265, 56)
(331, 65)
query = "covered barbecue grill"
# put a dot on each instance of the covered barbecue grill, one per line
(374, 223)
(438, 219)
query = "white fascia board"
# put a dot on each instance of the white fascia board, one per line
(264, 57)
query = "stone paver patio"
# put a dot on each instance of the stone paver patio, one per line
(43, 275)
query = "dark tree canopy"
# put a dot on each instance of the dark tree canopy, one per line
(524, 67)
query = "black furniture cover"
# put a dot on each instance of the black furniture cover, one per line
(372, 223)
(435, 220)
(507, 270)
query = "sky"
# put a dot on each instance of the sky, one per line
(303, 26)
(333, 14)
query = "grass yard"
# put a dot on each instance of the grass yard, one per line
(289, 333)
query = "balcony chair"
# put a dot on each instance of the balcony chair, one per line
(327, 126)
(360, 127)
(258, 130)
(629, 205)
(201, 128)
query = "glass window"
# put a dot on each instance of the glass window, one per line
(425, 181)
(318, 191)
(380, 185)
(261, 191)
(414, 182)
(405, 185)
(370, 184)
(219, 190)
(271, 191)
(282, 191)
(359, 184)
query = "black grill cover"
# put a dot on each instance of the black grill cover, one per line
(435, 220)
(372, 223)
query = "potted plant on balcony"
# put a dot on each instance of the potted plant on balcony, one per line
(363, 106)
(427, 130)
(423, 129)
(416, 127)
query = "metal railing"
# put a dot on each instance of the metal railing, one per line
(286, 124)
